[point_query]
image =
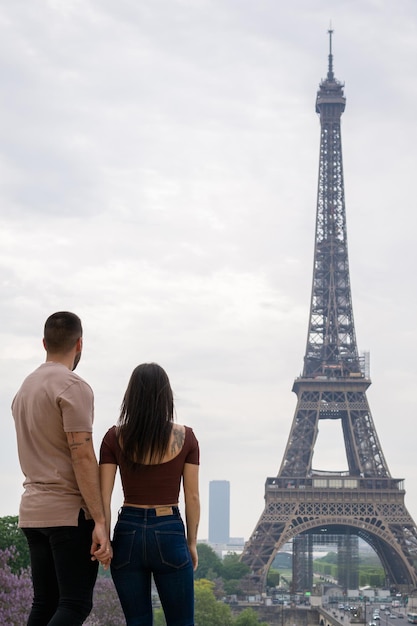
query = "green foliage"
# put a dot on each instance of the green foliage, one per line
(159, 618)
(248, 617)
(11, 535)
(233, 569)
(371, 571)
(209, 564)
(330, 557)
(273, 578)
(232, 587)
(209, 611)
(372, 576)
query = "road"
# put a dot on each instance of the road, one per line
(393, 617)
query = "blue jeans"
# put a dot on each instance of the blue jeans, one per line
(63, 574)
(146, 544)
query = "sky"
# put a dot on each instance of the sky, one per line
(158, 177)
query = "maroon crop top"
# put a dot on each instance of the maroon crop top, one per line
(150, 484)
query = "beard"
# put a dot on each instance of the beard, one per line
(76, 360)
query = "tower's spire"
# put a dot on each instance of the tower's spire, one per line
(330, 75)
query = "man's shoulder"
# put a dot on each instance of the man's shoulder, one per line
(61, 376)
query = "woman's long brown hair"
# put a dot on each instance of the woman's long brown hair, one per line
(146, 415)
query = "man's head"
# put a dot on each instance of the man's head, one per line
(63, 334)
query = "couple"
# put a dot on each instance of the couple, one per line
(65, 507)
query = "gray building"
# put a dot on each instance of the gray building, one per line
(219, 511)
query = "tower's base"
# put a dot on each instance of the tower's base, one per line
(372, 509)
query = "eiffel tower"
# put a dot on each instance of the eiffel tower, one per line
(306, 506)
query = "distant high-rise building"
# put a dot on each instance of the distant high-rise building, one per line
(219, 511)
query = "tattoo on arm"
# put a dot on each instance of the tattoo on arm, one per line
(74, 444)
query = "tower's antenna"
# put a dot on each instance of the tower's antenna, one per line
(330, 74)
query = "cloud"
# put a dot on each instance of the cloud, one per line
(158, 175)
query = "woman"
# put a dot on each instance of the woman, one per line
(153, 455)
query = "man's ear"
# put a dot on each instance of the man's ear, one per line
(79, 344)
(44, 343)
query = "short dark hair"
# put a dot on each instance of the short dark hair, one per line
(62, 331)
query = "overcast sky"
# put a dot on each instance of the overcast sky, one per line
(158, 176)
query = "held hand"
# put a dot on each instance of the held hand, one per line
(100, 546)
(106, 560)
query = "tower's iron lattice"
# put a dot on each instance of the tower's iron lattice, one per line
(302, 504)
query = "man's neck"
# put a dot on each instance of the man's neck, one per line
(64, 359)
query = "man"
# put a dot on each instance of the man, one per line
(61, 511)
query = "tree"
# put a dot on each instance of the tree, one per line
(233, 587)
(208, 611)
(233, 569)
(273, 578)
(248, 617)
(209, 564)
(12, 535)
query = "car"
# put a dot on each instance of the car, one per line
(372, 624)
(400, 615)
(375, 616)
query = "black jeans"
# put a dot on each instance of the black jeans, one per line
(63, 574)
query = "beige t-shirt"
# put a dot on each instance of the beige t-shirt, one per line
(51, 402)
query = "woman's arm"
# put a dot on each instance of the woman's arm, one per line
(107, 477)
(192, 508)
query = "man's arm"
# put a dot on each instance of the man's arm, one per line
(192, 508)
(86, 472)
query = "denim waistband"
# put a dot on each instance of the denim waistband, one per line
(141, 513)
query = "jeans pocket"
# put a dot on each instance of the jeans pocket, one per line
(173, 548)
(122, 548)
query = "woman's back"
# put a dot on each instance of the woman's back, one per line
(152, 484)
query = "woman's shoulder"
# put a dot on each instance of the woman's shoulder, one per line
(182, 430)
(182, 437)
(190, 440)
(177, 440)
(110, 434)
(191, 448)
